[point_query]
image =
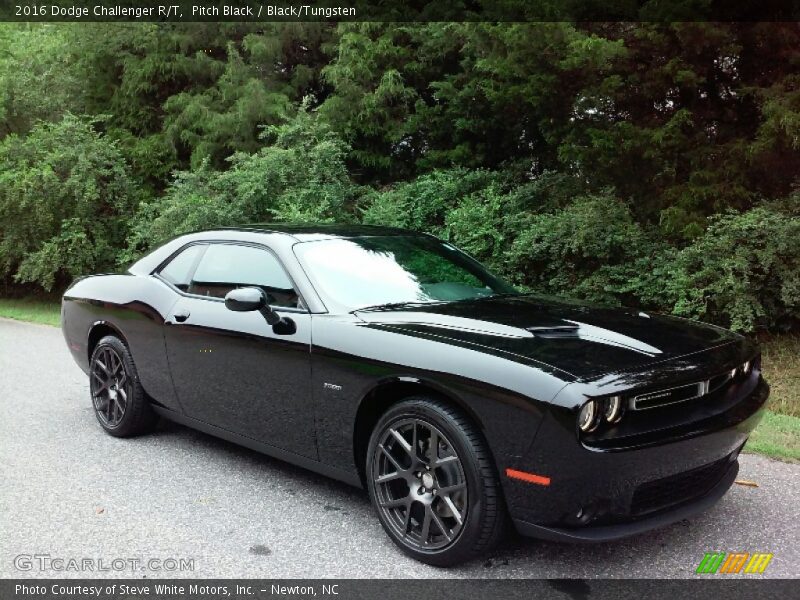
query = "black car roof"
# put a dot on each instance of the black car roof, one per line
(285, 235)
(316, 231)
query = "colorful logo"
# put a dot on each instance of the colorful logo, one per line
(734, 562)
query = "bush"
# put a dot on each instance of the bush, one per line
(423, 204)
(487, 222)
(743, 272)
(474, 224)
(65, 197)
(591, 249)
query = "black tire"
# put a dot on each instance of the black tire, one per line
(462, 525)
(120, 403)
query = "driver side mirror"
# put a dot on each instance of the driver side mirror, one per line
(245, 299)
(253, 298)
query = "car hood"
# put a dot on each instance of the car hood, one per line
(580, 340)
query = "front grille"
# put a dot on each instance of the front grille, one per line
(681, 393)
(669, 396)
(679, 488)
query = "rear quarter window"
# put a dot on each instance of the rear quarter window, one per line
(178, 271)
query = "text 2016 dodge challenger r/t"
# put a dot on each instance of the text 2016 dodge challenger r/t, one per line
(390, 359)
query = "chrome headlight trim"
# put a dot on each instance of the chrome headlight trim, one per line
(588, 417)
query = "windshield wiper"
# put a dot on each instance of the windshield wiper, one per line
(393, 305)
(495, 296)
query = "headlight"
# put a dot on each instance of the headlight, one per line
(746, 367)
(587, 418)
(613, 409)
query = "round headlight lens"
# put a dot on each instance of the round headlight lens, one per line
(613, 409)
(587, 418)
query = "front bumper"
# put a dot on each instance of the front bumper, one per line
(605, 494)
(608, 533)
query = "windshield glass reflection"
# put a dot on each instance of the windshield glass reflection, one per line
(378, 270)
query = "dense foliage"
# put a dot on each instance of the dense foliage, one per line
(65, 199)
(645, 164)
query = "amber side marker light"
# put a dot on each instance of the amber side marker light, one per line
(528, 477)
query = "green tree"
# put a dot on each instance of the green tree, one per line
(701, 113)
(419, 96)
(65, 197)
(649, 164)
(300, 175)
(180, 94)
(36, 82)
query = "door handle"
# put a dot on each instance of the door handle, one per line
(181, 315)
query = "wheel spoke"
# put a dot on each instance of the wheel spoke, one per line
(119, 408)
(103, 387)
(433, 447)
(100, 364)
(395, 503)
(456, 513)
(407, 520)
(446, 460)
(402, 441)
(391, 458)
(445, 531)
(449, 489)
(389, 477)
(118, 367)
(426, 526)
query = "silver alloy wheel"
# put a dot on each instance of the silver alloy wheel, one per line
(420, 484)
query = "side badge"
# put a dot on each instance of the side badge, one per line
(332, 386)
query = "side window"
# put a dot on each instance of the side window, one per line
(227, 266)
(178, 271)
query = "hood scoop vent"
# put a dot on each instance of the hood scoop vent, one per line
(555, 332)
(592, 333)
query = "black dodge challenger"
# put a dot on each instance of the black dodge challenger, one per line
(392, 360)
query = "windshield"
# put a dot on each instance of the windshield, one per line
(378, 270)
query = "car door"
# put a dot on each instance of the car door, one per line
(230, 369)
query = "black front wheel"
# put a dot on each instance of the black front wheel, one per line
(433, 483)
(120, 404)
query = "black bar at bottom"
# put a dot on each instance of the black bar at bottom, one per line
(729, 587)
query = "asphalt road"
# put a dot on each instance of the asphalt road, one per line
(69, 491)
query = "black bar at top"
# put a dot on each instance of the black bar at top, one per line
(177, 11)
